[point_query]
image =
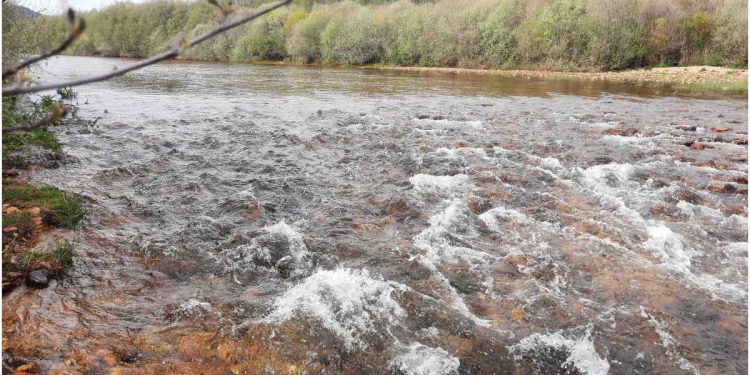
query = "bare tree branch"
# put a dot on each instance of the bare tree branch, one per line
(174, 52)
(74, 34)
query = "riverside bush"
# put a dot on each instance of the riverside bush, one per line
(557, 34)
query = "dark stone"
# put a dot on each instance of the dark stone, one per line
(466, 284)
(127, 355)
(38, 278)
(277, 245)
(599, 160)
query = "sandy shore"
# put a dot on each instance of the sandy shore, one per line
(701, 77)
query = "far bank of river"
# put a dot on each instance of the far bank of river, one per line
(686, 79)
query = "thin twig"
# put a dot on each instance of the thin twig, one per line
(174, 52)
(74, 34)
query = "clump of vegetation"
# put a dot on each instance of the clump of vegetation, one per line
(59, 257)
(548, 34)
(37, 145)
(58, 208)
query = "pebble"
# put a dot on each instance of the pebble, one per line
(38, 278)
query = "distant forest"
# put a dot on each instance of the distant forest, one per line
(532, 34)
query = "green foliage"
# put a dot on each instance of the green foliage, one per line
(697, 30)
(58, 208)
(17, 218)
(60, 256)
(498, 41)
(557, 34)
(19, 140)
(63, 253)
(353, 38)
(619, 40)
(264, 39)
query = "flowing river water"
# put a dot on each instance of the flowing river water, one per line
(286, 220)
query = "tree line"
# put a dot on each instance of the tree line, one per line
(537, 34)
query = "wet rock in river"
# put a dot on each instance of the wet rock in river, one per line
(687, 196)
(599, 160)
(695, 145)
(740, 140)
(741, 180)
(479, 205)
(720, 130)
(277, 246)
(466, 283)
(401, 208)
(719, 187)
(690, 128)
(38, 278)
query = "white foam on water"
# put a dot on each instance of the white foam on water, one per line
(243, 257)
(441, 185)
(582, 353)
(448, 124)
(669, 343)
(668, 246)
(495, 216)
(455, 153)
(435, 240)
(673, 252)
(423, 360)
(551, 163)
(347, 302)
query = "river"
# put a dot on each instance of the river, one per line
(286, 220)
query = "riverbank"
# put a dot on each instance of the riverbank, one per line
(697, 79)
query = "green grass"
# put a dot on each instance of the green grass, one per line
(41, 138)
(17, 218)
(63, 253)
(61, 256)
(59, 209)
(714, 86)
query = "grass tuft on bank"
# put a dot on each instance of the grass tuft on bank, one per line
(58, 208)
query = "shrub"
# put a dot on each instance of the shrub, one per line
(619, 40)
(353, 38)
(730, 35)
(264, 39)
(499, 43)
(304, 42)
(558, 36)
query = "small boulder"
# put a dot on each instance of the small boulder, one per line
(38, 278)
(719, 187)
(741, 180)
(740, 140)
(690, 128)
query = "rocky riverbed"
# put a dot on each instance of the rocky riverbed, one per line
(289, 220)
